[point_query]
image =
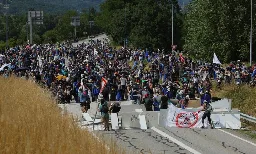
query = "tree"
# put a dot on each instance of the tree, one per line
(218, 26)
(147, 23)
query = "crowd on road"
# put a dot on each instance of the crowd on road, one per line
(152, 78)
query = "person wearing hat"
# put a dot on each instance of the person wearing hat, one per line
(207, 108)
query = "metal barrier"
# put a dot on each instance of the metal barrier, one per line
(248, 118)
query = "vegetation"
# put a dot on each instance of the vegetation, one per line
(202, 28)
(242, 97)
(32, 123)
(219, 26)
(144, 23)
(56, 28)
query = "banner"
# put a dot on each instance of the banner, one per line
(103, 84)
(183, 119)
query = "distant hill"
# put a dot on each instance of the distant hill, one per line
(51, 6)
(56, 6)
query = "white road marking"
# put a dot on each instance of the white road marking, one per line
(237, 137)
(175, 141)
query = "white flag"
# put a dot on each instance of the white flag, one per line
(215, 59)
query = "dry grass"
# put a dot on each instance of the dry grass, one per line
(243, 97)
(31, 123)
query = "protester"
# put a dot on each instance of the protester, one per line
(207, 108)
(115, 107)
(104, 109)
(76, 73)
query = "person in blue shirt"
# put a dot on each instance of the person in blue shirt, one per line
(207, 96)
(156, 105)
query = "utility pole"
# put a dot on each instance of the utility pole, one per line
(251, 38)
(6, 6)
(172, 24)
(34, 17)
(30, 31)
(125, 39)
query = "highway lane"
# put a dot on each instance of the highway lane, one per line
(210, 141)
(101, 37)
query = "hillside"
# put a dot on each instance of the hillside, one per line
(56, 6)
(49, 6)
(32, 123)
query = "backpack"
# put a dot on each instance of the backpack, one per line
(104, 108)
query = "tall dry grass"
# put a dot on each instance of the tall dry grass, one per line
(31, 123)
(243, 97)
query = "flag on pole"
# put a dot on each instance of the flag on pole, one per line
(103, 84)
(182, 59)
(215, 59)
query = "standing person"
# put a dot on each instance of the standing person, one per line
(207, 96)
(123, 81)
(103, 108)
(207, 108)
(82, 99)
(115, 107)
(164, 102)
(156, 104)
(148, 102)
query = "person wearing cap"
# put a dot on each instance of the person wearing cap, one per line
(207, 108)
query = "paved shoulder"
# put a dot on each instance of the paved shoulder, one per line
(210, 141)
(143, 141)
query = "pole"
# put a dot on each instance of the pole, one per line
(75, 31)
(7, 28)
(30, 33)
(172, 24)
(27, 32)
(125, 26)
(251, 38)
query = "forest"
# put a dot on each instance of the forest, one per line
(201, 28)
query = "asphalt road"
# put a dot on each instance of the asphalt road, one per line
(210, 141)
(101, 37)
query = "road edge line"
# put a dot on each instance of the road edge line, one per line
(175, 141)
(237, 137)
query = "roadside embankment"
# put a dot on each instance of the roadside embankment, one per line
(30, 122)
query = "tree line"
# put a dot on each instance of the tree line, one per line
(55, 28)
(202, 28)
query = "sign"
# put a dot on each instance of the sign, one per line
(36, 17)
(75, 21)
(183, 119)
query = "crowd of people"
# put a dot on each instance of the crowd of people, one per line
(152, 78)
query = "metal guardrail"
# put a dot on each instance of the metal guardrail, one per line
(248, 118)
